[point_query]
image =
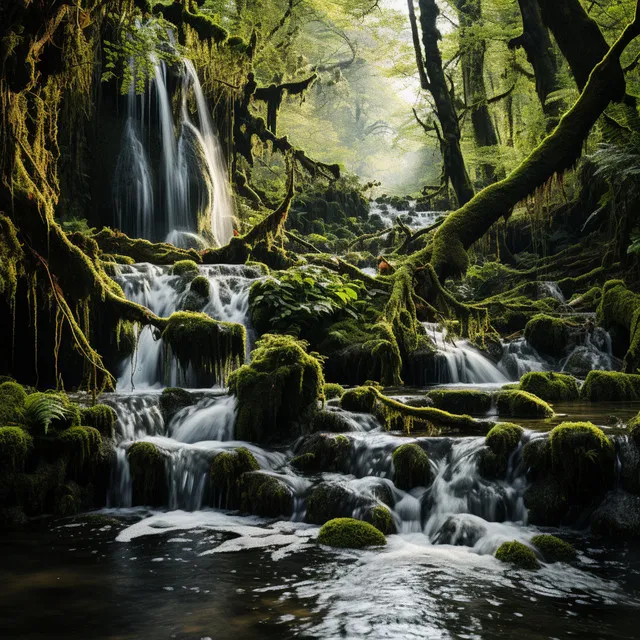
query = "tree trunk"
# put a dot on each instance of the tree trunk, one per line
(555, 154)
(536, 42)
(445, 110)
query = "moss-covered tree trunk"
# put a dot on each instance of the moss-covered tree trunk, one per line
(555, 154)
(452, 158)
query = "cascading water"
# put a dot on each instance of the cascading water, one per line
(191, 186)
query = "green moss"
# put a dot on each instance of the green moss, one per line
(359, 400)
(50, 410)
(462, 401)
(81, 446)
(201, 287)
(553, 549)
(380, 517)
(551, 387)
(185, 268)
(333, 390)
(603, 386)
(226, 473)
(582, 459)
(278, 392)
(323, 452)
(517, 554)
(411, 467)
(102, 417)
(350, 534)
(520, 404)
(265, 495)
(15, 444)
(12, 399)
(148, 475)
(172, 399)
(213, 348)
(304, 463)
(501, 442)
(205, 26)
(547, 335)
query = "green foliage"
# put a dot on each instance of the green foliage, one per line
(517, 554)
(551, 387)
(464, 401)
(102, 417)
(553, 549)
(603, 386)
(350, 534)
(521, 404)
(15, 444)
(278, 391)
(44, 410)
(12, 400)
(411, 467)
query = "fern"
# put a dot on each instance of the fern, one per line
(41, 409)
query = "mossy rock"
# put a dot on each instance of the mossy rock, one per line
(501, 441)
(278, 392)
(348, 533)
(462, 402)
(603, 386)
(172, 400)
(536, 456)
(12, 400)
(551, 387)
(200, 286)
(15, 445)
(148, 474)
(185, 268)
(81, 446)
(547, 335)
(517, 554)
(333, 390)
(323, 452)
(553, 549)
(411, 467)
(213, 348)
(330, 421)
(327, 501)
(102, 417)
(583, 460)
(380, 517)
(226, 473)
(520, 404)
(358, 400)
(547, 502)
(263, 494)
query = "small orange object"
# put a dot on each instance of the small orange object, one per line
(235, 233)
(384, 267)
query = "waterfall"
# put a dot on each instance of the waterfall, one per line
(189, 176)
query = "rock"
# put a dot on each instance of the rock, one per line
(629, 456)
(265, 495)
(553, 549)
(469, 402)
(551, 387)
(517, 554)
(520, 404)
(411, 467)
(618, 516)
(350, 533)
(461, 530)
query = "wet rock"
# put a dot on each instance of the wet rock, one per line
(323, 452)
(411, 467)
(461, 530)
(629, 456)
(350, 533)
(327, 501)
(263, 494)
(618, 516)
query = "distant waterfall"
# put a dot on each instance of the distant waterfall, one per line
(171, 179)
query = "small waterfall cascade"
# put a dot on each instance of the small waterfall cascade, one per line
(411, 217)
(460, 362)
(188, 193)
(155, 288)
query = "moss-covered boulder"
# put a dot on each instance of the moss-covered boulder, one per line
(517, 554)
(265, 495)
(211, 347)
(618, 516)
(380, 517)
(15, 444)
(331, 421)
(323, 452)
(553, 549)
(200, 286)
(81, 446)
(547, 502)
(226, 473)
(469, 402)
(148, 474)
(520, 404)
(603, 386)
(172, 400)
(550, 386)
(102, 417)
(411, 467)
(348, 533)
(501, 442)
(333, 500)
(547, 335)
(185, 268)
(359, 400)
(278, 392)
(333, 390)
(12, 399)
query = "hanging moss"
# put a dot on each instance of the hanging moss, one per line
(226, 472)
(520, 404)
(15, 444)
(185, 269)
(333, 390)
(547, 335)
(102, 417)
(148, 475)
(205, 26)
(553, 549)
(12, 400)
(501, 442)
(11, 256)
(604, 386)
(213, 348)
(462, 401)
(278, 392)
(172, 399)
(517, 554)
(265, 495)
(411, 467)
(350, 534)
(550, 386)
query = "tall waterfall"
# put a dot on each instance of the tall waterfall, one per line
(171, 179)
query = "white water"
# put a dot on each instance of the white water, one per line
(412, 218)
